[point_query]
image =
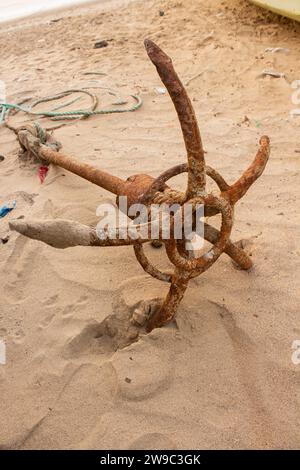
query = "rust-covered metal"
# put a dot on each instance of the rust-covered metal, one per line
(148, 190)
(186, 116)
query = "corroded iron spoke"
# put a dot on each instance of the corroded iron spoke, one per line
(211, 234)
(147, 266)
(101, 178)
(159, 183)
(186, 116)
(205, 261)
(169, 308)
(62, 233)
(239, 189)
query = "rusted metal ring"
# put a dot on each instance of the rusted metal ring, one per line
(147, 266)
(202, 263)
(159, 183)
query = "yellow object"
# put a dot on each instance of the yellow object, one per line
(289, 8)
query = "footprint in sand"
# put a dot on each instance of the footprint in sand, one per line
(88, 393)
(51, 300)
(18, 337)
(83, 299)
(250, 370)
(118, 330)
(68, 310)
(46, 321)
(139, 379)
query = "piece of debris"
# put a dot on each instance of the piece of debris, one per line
(2, 158)
(100, 44)
(42, 173)
(161, 13)
(194, 77)
(6, 208)
(5, 239)
(274, 50)
(160, 90)
(295, 112)
(156, 243)
(128, 380)
(271, 73)
(206, 38)
(94, 73)
(141, 315)
(246, 120)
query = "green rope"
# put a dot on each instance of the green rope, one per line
(42, 134)
(5, 108)
(68, 103)
(3, 113)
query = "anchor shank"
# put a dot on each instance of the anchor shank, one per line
(94, 175)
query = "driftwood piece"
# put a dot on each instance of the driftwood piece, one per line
(148, 190)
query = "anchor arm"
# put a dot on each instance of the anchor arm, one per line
(186, 116)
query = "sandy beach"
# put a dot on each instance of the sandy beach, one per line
(221, 376)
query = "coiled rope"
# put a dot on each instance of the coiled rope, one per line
(55, 115)
(92, 111)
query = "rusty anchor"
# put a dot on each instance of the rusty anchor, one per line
(148, 190)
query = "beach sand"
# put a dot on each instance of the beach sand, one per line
(222, 375)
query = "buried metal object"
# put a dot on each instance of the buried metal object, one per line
(148, 190)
